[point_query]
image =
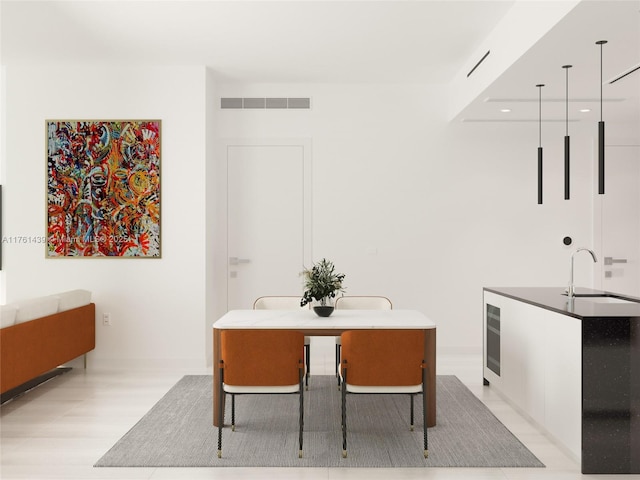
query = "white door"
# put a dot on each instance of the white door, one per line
(620, 224)
(267, 210)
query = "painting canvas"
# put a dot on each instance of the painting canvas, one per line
(103, 183)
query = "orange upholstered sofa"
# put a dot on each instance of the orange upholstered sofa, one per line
(41, 334)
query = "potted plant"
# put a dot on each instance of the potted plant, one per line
(321, 283)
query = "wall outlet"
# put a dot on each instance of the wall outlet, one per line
(106, 319)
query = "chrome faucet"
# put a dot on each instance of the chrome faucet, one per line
(571, 289)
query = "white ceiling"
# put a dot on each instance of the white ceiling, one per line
(572, 42)
(260, 41)
(348, 41)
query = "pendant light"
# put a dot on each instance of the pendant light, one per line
(567, 140)
(601, 131)
(540, 142)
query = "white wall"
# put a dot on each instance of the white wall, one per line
(215, 273)
(405, 203)
(2, 163)
(157, 306)
(447, 208)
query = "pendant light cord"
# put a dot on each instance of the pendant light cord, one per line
(601, 43)
(567, 102)
(540, 116)
(567, 141)
(540, 85)
(601, 82)
(567, 67)
(601, 140)
(540, 113)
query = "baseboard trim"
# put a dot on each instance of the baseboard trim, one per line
(180, 364)
(459, 350)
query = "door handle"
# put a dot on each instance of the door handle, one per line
(611, 260)
(238, 261)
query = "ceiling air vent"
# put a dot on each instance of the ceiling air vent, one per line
(254, 103)
(261, 102)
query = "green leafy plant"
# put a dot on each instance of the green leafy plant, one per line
(321, 282)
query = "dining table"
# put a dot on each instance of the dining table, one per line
(310, 324)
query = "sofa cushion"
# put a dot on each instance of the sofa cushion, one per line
(73, 299)
(7, 315)
(36, 308)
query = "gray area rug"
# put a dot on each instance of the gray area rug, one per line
(178, 431)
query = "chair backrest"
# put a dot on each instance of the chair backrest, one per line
(278, 303)
(261, 357)
(363, 303)
(383, 357)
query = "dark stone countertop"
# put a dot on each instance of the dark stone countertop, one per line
(552, 298)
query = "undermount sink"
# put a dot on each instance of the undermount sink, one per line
(595, 298)
(606, 300)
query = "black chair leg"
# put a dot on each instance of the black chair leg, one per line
(344, 415)
(233, 412)
(424, 407)
(301, 421)
(307, 356)
(411, 419)
(337, 362)
(221, 412)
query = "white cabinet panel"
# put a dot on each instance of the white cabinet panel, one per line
(526, 329)
(540, 366)
(563, 383)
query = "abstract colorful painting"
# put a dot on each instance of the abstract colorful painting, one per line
(103, 196)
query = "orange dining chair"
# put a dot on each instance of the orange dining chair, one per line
(383, 362)
(272, 302)
(366, 302)
(260, 362)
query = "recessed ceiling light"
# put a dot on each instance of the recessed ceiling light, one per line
(585, 110)
(505, 110)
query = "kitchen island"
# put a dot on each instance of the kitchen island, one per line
(572, 365)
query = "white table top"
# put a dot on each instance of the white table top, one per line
(339, 320)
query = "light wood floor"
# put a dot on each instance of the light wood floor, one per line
(59, 430)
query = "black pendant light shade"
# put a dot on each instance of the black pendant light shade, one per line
(540, 142)
(601, 157)
(567, 140)
(601, 131)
